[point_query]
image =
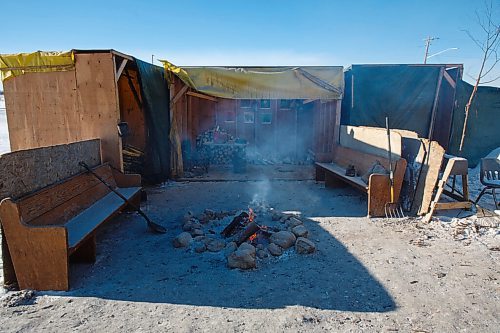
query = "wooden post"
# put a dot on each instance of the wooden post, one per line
(435, 103)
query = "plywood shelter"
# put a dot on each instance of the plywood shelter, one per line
(61, 97)
(281, 111)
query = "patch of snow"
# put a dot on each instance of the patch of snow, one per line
(4, 134)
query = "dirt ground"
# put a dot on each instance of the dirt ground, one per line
(366, 275)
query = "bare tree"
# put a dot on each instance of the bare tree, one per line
(488, 43)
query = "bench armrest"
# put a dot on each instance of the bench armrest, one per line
(126, 180)
(39, 253)
(379, 189)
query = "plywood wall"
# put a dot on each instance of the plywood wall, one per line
(98, 105)
(326, 128)
(45, 109)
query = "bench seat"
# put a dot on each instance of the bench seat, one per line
(340, 171)
(82, 225)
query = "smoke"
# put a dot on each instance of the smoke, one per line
(260, 193)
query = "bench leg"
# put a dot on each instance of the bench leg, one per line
(333, 181)
(86, 252)
(320, 174)
(379, 190)
(136, 201)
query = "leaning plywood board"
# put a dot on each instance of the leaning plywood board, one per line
(370, 140)
(430, 157)
(26, 171)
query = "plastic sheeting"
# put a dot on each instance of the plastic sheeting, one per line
(309, 82)
(12, 65)
(483, 126)
(155, 98)
(404, 93)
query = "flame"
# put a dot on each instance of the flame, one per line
(251, 238)
(251, 215)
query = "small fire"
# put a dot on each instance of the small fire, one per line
(251, 215)
(251, 238)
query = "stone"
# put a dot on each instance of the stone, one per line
(243, 257)
(188, 216)
(197, 232)
(285, 239)
(210, 214)
(293, 222)
(199, 239)
(284, 218)
(275, 216)
(183, 240)
(262, 254)
(300, 231)
(215, 245)
(304, 246)
(191, 225)
(230, 248)
(247, 247)
(200, 247)
(203, 218)
(275, 250)
(260, 247)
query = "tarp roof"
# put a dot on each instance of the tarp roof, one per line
(17, 64)
(12, 65)
(300, 82)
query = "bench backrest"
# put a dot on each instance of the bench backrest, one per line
(58, 203)
(362, 161)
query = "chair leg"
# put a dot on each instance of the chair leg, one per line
(480, 195)
(495, 197)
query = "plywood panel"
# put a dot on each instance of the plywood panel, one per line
(98, 103)
(42, 109)
(370, 140)
(26, 171)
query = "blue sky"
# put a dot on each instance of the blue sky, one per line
(250, 32)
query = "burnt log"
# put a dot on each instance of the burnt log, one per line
(251, 229)
(236, 222)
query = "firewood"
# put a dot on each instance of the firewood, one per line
(234, 223)
(250, 229)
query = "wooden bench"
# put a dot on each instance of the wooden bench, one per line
(378, 187)
(46, 228)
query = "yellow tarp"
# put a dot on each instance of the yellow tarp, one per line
(308, 82)
(17, 64)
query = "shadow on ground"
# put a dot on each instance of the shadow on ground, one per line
(134, 265)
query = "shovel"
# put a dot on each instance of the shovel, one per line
(392, 209)
(155, 227)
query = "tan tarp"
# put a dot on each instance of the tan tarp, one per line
(309, 82)
(17, 64)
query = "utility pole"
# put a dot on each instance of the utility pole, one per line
(428, 41)
(152, 59)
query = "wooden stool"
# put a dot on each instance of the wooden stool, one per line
(455, 166)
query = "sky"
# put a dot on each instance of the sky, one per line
(248, 32)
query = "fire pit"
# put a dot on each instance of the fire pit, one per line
(246, 238)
